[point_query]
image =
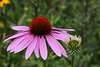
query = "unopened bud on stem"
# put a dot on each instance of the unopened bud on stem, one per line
(73, 44)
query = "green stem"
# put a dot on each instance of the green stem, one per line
(72, 62)
(44, 63)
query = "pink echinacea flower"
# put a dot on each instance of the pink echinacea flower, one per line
(35, 36)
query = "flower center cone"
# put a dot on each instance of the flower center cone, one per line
(40, 26)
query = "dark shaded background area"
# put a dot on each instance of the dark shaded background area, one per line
(81, 15)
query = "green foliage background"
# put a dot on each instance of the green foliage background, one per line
(81, 15)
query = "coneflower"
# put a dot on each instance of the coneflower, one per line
(35, 36)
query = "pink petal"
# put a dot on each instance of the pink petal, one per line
(62, 29)
(23, 28)
(63, 51)
(30, 48)
(61, 35)
(16, 35)
(58, 32)
(53, 44)
(36, 50)
(20, 44)
(58, 36)
(24, 46)
(8, 36)
(43, 48)
(16, 42)
(54, 31)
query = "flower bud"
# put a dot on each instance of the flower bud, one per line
(73, 44)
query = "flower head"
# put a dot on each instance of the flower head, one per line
(35, 36)
(4, 2)
(73, 45)
(73, 42)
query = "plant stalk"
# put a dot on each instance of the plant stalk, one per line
(72, 62)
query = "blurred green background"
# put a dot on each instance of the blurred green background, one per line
(81, 15)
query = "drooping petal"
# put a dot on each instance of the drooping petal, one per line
(30, 48)
(8, 36)
(59, 32)
(23, 28)
(16, 35)
(54, 31)
(16, 42)
(29, 40)
(36, 50)
(53, 44)
(61, 35)
(63, 51)
(64, 32)
(43, 48)
(57, 36)
(62, 29)
(20, 44)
